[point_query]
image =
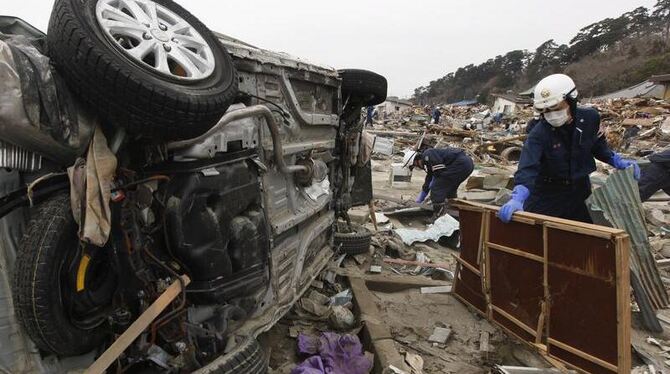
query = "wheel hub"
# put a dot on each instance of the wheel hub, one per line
(160, 35)
(157, 37)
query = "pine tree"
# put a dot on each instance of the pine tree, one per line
(661, 16)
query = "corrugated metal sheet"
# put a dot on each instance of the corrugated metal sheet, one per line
(645, 89)
(618, 203)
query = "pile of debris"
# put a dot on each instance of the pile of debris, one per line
(635, 126)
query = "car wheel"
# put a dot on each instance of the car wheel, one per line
(147, 65)
(363, 87)
(61, 292)
(355, 242)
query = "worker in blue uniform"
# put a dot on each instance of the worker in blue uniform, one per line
(437, 114)
(558, 156)
(656, 176)
(446, 169)
(369, 115)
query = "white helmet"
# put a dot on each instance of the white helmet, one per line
(554, 89)
(408, 158)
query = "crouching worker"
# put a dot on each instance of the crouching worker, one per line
(558, 156)
(446, 169)
(656, 176)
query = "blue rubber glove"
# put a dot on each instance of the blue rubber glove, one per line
(622, 164)
(519, 196)
(422, 197)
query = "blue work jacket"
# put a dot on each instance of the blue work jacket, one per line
(436, 161)
(565, 153)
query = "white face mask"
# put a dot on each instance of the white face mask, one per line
(557, 118)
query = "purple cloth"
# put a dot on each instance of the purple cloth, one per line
(332, 354)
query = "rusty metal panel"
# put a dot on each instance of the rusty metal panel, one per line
(516, 289)
(469, 289)
(559, 283)
(524, 237)
(468, 286)
(583, 294)
(470, 236)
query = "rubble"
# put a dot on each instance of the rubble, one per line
(635, 126)
(440, 335)
(404, 311)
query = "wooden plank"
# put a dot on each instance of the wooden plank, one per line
(397, 261)
(561, 365)
(468, 266)
(432, 290)
(469, 305)
(515, 252)
(484, 341)
(486, 274)
(540, 323)
(583, 355)
(390, 282)
(141, 323)
(545, 282)
(468, 208)
(642, 122)
(482, 228)
(511, 318)
(379, 334)
(457, 272)
(624, 327)
(579, 230)
(540, 219)
(393, 133)
(371, 205)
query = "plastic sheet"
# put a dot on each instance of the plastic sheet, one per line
(37, 111)
(443, 226)
(332, 353)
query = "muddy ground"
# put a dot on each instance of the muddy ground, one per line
(411, 315)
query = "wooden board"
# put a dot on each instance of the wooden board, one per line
(558, 285)
(468, 283)
(141, 323)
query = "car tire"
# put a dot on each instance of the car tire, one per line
(165, 101)
(38, 282)
(353, 243)
(363, 87)
(248, 358)
(511, 154)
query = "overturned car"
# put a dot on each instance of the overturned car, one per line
(146, 151)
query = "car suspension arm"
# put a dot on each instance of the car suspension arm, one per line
(252, 111)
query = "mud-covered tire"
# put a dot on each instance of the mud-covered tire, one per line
(36, 282)
(364, 87)
(248, 358)
(511, 153)
(129, 93)
(353, 243)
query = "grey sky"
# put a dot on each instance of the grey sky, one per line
(409, 42)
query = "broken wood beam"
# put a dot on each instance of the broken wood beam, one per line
(373, 218)
(393, 133)
(377, 332)
(141, 323)
(388, 283)
(502, 141)
(416, 263)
